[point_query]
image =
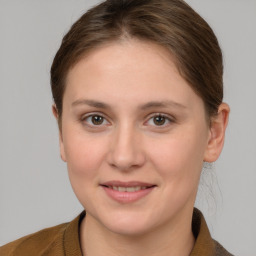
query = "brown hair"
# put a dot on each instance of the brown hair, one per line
(172, 24)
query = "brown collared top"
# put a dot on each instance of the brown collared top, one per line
(63, 240)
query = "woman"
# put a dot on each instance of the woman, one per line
(137, 88)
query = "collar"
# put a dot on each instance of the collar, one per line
(204, 244)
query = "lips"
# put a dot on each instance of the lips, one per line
(131, 186)
(127, 192)
(128, 189)
(126, 184)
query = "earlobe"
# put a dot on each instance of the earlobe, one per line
(55, 111)
(217, 134)
(62, 151)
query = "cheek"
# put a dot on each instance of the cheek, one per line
(180, 156)
(179, 162)
(84, 154)
(84, 159)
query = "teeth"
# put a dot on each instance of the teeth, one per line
(128, 189)
(122, 189)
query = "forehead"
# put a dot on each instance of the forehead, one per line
(115, 52)
(128, 70)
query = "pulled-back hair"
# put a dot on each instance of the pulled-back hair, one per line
(172, 24)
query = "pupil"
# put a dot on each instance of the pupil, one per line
(97, 120)
(159, 120)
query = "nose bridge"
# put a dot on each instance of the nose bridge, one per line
(125, 150)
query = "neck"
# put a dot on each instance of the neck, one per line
(170, 239)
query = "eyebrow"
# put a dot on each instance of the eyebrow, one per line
(148, 105)
(92, 103)
(162, 104)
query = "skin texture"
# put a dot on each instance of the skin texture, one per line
(128, 84)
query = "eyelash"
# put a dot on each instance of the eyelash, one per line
(167, 119)
(86, 117)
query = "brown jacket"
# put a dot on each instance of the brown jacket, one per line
(63, 240)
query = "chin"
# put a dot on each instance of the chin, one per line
(128, 229)
(132, 224)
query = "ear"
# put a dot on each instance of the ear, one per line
(217, 134)
(56, 115)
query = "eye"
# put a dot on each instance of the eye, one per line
(95, 120)
(159, 120)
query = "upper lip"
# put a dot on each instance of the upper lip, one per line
(116, 183)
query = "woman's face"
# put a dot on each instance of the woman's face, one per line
(134, 136)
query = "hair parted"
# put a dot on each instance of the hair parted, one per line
(172, 24)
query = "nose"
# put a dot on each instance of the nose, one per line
(126, 150)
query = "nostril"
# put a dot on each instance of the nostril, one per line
(125, 152)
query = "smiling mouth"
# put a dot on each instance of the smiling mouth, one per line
(127, 192)
(128, 189)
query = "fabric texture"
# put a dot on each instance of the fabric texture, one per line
(63, 240)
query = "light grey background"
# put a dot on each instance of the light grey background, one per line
(34, 187)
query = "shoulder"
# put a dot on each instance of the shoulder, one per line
(55, 241)
(36, 244)
(205, 244)
(220, 250)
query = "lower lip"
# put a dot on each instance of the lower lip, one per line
(127, 197)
